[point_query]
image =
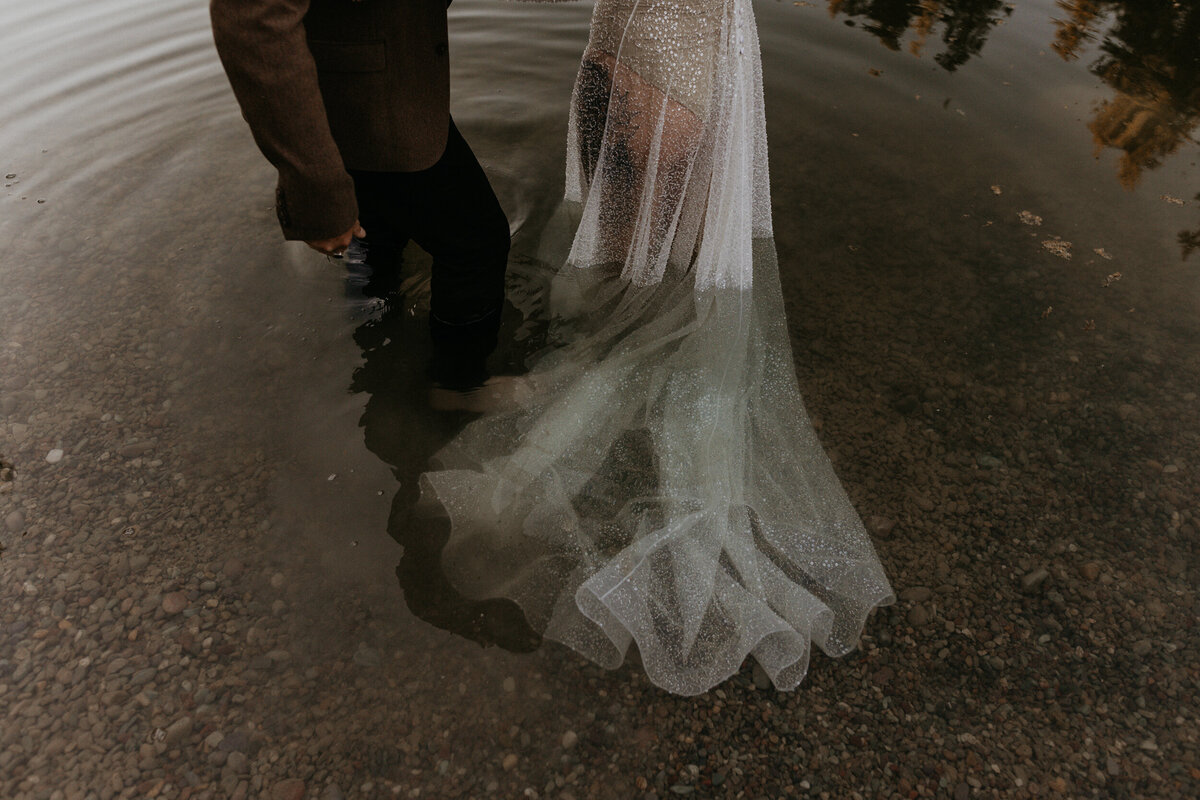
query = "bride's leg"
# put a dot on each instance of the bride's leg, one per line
(636, 144)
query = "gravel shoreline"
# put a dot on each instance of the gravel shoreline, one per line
(167, 633)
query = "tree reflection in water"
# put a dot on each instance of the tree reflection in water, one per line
(1148, 53)
(1151, 59)
(1189, 241)
(964, 24)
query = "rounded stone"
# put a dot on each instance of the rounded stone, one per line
(916, 594)
(15, 521)
(290, 789)
(178, 731)
(918, 615)
(174, 602)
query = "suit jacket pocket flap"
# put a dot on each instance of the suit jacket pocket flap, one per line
(349, 56)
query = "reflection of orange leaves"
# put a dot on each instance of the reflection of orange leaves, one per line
(1080, 26)
(1144, 131)
(922, 26)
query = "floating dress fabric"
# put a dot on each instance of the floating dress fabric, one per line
(661, 484)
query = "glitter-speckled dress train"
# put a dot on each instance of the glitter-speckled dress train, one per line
(662, 484)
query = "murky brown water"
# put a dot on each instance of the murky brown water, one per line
(234, 436)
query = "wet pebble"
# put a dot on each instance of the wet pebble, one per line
(919, 615)
(135, 449)
(916, 594)
(290, 789)
(143, 676)
(174, 602)
(1032, 581)
(14, 521)
(880, 527)
(178, 731)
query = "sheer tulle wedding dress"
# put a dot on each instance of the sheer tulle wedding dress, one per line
(661, 484)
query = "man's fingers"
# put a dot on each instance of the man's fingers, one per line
(336, 246)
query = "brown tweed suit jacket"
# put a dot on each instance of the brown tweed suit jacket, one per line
(332, 85)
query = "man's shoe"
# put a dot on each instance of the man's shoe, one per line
(501, 393)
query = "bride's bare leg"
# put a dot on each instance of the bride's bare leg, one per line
(625, 122)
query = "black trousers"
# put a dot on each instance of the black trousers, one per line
(451, 212)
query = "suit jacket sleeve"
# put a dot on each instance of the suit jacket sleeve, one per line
(265, 53)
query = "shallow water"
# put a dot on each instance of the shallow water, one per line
(233, 430)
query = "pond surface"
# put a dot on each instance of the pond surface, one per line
(986, 217)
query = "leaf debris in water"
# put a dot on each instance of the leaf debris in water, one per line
(1100, 251)
(1058, 247)
(1175, 201)
(1111, 279)
(1029, 218)
(1047, 312)
(996, 189)
(1089, 325)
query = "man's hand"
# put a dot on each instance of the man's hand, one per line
(337, 245)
